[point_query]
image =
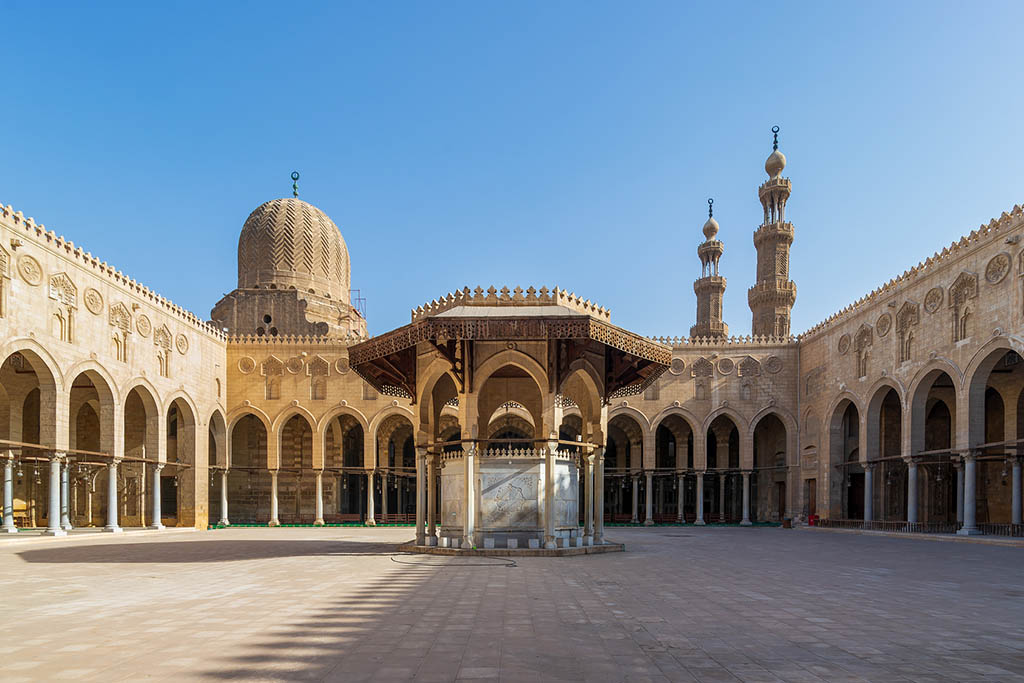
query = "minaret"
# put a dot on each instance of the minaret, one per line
(772, 297)
(711, 286)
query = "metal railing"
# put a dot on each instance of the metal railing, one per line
(892, 526)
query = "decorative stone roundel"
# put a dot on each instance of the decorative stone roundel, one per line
(773, 364)
(933, 299)
(294, 365)
(341, 366)
(677, 366)
(246, 365)
(30, 270)
(844, 344)
(726, 366)
(883, 324)
(997, 268)
(93, 301)
(143, 325)
(182, 343)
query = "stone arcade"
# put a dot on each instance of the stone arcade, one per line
(902, 411)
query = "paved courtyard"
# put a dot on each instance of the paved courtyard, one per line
(713, 604)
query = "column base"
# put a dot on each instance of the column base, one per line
(66, 526)
(746, 522)
(55, 532)
(588, 540)
(634, 521)
(431, 540)
(371, 522)
(156, 527)
(972, 531)
(699, 522)
(9, 530)
(273, 522)
(224, 522)
(318, 522)
(550, 545)
(468, 543)
(107, 529)
(648, 522)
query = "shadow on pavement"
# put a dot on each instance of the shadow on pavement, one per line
(200, 551)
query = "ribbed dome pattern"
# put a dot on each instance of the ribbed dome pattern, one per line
(289, 243)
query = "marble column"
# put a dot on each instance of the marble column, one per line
(959, 466)
(112, 526)
(384, 496)
(1015, 507)
(721, 496)
(224, 499)
(274, 521)
(371, 514)
(599, 496)
(869, 488)
(65, 509)
(911, 491)
(319, 521)
(588, 498)
(746, 498)
(469, 503)
(970, 495)
(700, 499)
(8, 520)
(157, 514)
(649, 499)
(53, 513)
(636, 493)
(421, 466)
(680, 497)
(431, 501)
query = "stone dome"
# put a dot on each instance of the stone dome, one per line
(711, 229)
(774, 164)
(291, 244)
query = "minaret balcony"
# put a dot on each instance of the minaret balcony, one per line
(709, 329)
(774, 292)
(775, 185)
(711, 283)
(780, 231)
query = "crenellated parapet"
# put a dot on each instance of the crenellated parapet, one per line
(493, 296)
(296, 340)
(744, 340)
(51, 241)
(984, 236)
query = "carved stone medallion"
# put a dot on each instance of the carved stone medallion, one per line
(726, 366)
(844, 344)
(677, 366)
(246, 365)
(341, 366)
(294, 365)
(773, 364)
(997, 268)
(883, 324)
(933, 299)
(143, 326)
(30, 270)
(93, 301)
(182, 344)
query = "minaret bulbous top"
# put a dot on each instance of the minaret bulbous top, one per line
(711, 229)
(775, 164)
(776, 161)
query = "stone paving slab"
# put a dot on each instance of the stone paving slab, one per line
(682, 604)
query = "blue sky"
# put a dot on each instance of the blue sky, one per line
(567, 143)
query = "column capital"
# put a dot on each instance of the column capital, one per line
(159, 466)
(868, 466)
(958, 464)
(910, 459)
(746, 473)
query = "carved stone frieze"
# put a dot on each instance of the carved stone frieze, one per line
(93, 301)
(883, 324)
(30, 270)
(933, 299)
(997, 268)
